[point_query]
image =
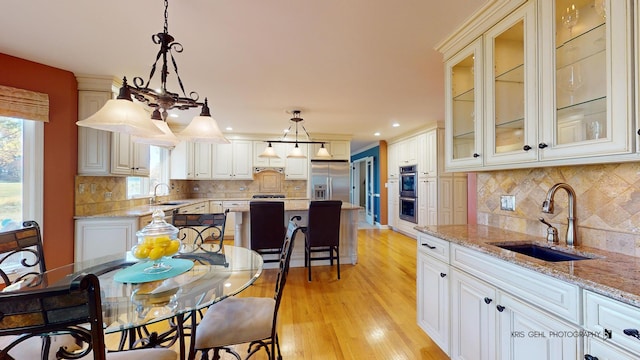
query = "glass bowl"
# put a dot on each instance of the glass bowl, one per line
(157, 242)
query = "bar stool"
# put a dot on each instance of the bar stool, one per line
(267, 228)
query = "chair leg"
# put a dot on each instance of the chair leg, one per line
(338, 260)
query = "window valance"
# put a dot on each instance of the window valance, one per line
(24, 104)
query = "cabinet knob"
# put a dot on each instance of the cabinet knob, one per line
(638, 131)
(500, 308)
(589, 357)
(542, 145)
(476, 155)
(526, 148)
(487, 300)
(442, 275)
(632, 332)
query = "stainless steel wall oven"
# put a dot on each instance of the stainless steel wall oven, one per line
(409, 193)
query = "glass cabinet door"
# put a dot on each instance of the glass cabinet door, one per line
(589, 112)
(511, 88)
(463, 107)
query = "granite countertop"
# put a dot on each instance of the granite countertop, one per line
(291, 204)
(611, 274)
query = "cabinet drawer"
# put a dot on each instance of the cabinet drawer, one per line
(434, 247)
(553, 295)
(605, 315)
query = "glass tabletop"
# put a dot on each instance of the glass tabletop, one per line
(213, 277)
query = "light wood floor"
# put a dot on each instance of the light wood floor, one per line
(369, 314)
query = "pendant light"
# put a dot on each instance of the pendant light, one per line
(296, 152)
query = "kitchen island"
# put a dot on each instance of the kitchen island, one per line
(348, 230)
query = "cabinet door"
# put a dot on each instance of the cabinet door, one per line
(393, 197)
(408, 152)
(511, 117)
(182, 161)
(460, 206)
(433, 299)
(121, 149)
(600, 350)
(463, 108)
(586, 78)
(141, 159)
(340, 150)
(427, 154)
(296, 168)
(101, 237)
(242, 160)
(93, 145)
(393, 169)
(473, 318)
(528, 333)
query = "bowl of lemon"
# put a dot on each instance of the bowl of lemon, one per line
(157, 242)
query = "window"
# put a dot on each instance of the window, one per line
(138, 187)
(21, 168)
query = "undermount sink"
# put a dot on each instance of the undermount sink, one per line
(542, 252)
(168, 203)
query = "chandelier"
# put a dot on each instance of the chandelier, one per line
(123, 115)
(296, 152)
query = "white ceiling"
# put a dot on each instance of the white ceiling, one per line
(351, 66)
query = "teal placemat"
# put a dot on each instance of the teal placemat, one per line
(136, 274)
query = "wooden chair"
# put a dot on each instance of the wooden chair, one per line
(267, 228)
(73, 309)
(21, 251)
(247, 320)
(201, 232)
(322, 233)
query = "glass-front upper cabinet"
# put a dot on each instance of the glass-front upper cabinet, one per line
(463, 108)
(511, 117)
(586, 78)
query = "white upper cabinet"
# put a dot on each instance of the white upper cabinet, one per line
(393, 169)
(296, 168)
(191, 161)
(339, 149)
(586, 78)
(279, 148)
(93, 145)
(233, 161)
(127, 157)
(540, 83)
(463, 108)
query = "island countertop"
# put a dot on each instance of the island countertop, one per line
(611, 274)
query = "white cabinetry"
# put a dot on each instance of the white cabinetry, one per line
(297, 168)
(433, 289)
(93, 145)
(339, 149)
(95, 237)
(127, 157)
(615, 322)
(191, 161)
(393, 198)
(393, 169)
(279, 148)
(233, 161)
(408, 151)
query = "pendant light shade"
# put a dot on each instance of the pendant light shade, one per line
(269, 152)
(296, 153)
(166, 140)
(203, 129)
(323, 153)
(122, 115)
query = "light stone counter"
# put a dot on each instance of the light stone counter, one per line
(611, 274)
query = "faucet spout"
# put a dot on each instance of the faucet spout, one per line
(547, 207)
(155, 191)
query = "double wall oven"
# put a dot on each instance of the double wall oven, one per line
(409, 193)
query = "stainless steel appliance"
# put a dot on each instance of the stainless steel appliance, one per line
(409, 193)
(330, 180)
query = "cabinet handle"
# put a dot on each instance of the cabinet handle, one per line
(487, 300)
(500, 308)
(638, 131)
(632, 332)
(476, 155)
(442, 275)
(542, 145)
(526, 148)
(429, 246)
(589, 357)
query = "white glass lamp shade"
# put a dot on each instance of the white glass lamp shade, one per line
(323, 153)
(296, 153)
(124, 116)
(166, 140)
(203, 129)
(269, 152)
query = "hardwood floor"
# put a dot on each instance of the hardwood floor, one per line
(369, 314)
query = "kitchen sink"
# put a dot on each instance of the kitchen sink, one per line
(168, 203)
(542, 252)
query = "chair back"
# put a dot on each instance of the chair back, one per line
(64, 309)
(323, 225)
(21, 249)
(267, 225)
(285, 260)
(199, 230)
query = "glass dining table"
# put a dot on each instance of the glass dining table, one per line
(132, 308)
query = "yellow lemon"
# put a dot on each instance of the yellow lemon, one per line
(173, 248)
(141, 252)
(162, 241)
(156, 253)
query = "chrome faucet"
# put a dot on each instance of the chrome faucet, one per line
(547, 207)
(155, 192)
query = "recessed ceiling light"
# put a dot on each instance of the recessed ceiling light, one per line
(376, 134)
(395, 124)
(229, 128)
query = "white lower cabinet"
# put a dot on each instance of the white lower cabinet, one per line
(95, 237)
(596, 349)
(616, 323)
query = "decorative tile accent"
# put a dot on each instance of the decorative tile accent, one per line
(607, 203)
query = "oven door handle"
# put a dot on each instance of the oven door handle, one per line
(408, 174)
(407, 199)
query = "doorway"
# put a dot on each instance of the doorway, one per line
(363, 193)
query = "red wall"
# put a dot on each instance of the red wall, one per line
(60, 149)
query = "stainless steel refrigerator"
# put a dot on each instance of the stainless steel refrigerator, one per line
(330, 180)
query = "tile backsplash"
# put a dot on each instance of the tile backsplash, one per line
(102, 194)
(607, 208)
